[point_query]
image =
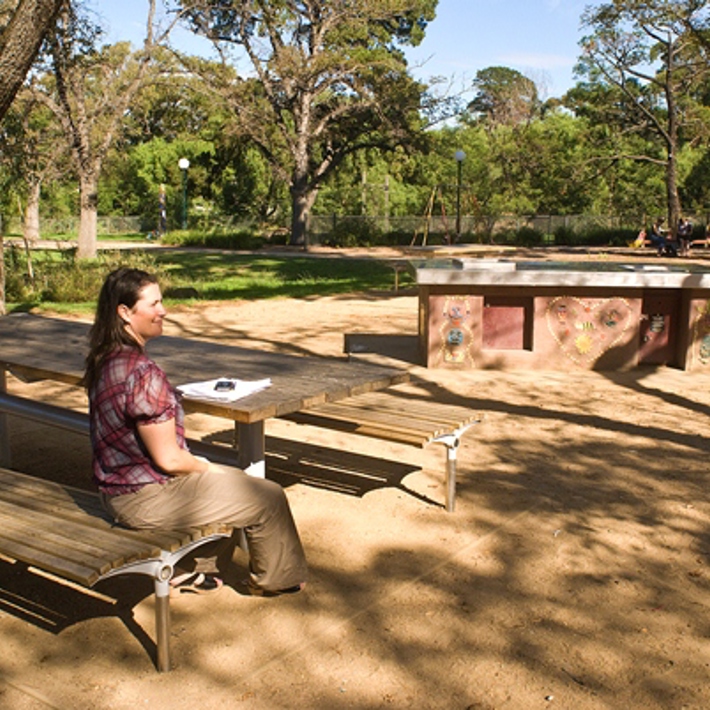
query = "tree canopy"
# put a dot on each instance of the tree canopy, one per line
(328, 81)
(308, 109)
(504, 96)
(649, 57)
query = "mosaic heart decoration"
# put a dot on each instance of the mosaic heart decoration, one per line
(585, 328)
(701, 332)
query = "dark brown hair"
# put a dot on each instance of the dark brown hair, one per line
(121, 287)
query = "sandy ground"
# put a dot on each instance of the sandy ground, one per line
(573, 574)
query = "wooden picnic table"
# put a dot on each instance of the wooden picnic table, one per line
(40, 348)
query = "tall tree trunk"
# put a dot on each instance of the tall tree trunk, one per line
(31, 221)
(301, 205)
(674, 209)
(88, 219)
(2, 271)
(299, 220)
(672, 195)
(19, 43)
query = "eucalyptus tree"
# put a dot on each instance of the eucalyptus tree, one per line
(530, 159)
(328, 79)
(23, 28)
(174, 117)
(504, 96)
(648, 55)
(33, 151)
(90, 92)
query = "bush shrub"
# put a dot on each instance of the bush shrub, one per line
(59, 277)
(528, 237)
(240, 239)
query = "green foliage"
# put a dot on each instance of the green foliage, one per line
(244, 239)
(332, 81)
(528, 237)
(645, 62)
(59, 277)
(564, 236)
(504, 95)
(618, 237)
(377, 164)
(61, 282)
(354, 231)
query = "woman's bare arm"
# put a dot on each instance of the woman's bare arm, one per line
(161, 441)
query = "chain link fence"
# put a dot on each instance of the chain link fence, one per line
(366, 229)
(69, 226)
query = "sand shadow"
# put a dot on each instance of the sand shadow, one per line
(289, 462)
(54, 606)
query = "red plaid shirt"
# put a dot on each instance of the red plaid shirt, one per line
(131, 389)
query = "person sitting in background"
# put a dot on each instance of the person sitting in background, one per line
(663, 242)
(685, 236)
(144, 471)
(640, 240)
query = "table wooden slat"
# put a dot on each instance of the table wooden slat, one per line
(51, 348)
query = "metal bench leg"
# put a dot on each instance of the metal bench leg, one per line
(5, 458)
(161, 570)
(451, 476)
(162, 622)
(451, 442)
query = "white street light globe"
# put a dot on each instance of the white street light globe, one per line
(460, 156)
(183, 163)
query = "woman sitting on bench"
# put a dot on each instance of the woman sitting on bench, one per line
(145, 473)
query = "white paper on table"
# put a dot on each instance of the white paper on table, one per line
(206, 390)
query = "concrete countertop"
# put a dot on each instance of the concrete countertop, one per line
(485, 272)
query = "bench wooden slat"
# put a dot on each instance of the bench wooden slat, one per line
(45, 524)
(54, 552)
(46, 540)
(101, 550)
(386, 417)
(84, 508)
(344, 421)
(40, 499)
(393, 401)
(397, 416)
(64, 531)
(18, 550)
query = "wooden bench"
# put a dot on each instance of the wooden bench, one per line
(65, 530)
(383, 415)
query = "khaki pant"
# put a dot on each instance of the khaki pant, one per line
(229, 496)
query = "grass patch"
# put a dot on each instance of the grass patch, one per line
(63, 284)
(252, 277)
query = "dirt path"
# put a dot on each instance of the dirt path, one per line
(574, 573)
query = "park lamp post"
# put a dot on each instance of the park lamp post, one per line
(460, 157)
(184, 164)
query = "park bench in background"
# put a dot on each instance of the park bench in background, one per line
(384, 415)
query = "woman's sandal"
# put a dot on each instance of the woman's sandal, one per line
(254, 590)
(197, 583)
